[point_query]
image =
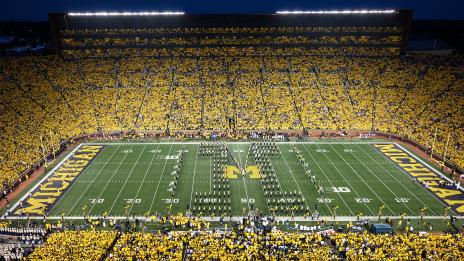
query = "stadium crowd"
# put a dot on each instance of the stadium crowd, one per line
(246, 244)
(314, 40)
(46, 99)
(262, 78)
(409, 246)
(75, 245)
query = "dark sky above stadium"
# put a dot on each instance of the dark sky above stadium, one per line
(34, 10)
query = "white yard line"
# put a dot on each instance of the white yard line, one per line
(386, 205)
(90, 183)
(348, 184)
(45, 177)
(243, 178)
(260, 186)
(236, 218)
(107, 183)
(246, 192)
(241, 142)
(127, 178)
(144, 177)
(327, 178)
(210, 173)
(159, 181)
(309, 178)
(401, 183)
(277, 177)
(379, 179)
(194, 173)
(291, 172)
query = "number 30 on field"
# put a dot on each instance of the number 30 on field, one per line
(170, 200)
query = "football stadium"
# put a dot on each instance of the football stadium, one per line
(292, 135)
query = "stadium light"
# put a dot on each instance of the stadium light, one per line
(338, 12)
(124, 13)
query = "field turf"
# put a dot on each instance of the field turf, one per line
(133, 179)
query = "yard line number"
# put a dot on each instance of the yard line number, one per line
(324, 200)
(170, 200)
(363, 200)
(402, 200)
(133, 200)
(338, 189)
(245, 201)
(96, 200)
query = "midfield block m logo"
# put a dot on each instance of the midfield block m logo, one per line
(232, 172)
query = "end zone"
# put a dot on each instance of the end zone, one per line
(429, 177)
(43, 196)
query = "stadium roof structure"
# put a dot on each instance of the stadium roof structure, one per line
(106, 19)
(150, 13)
(283, 12)
(342, 12)
(103, 20)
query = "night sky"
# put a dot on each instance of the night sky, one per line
(35, 10)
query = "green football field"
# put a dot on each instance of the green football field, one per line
(350, 178)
